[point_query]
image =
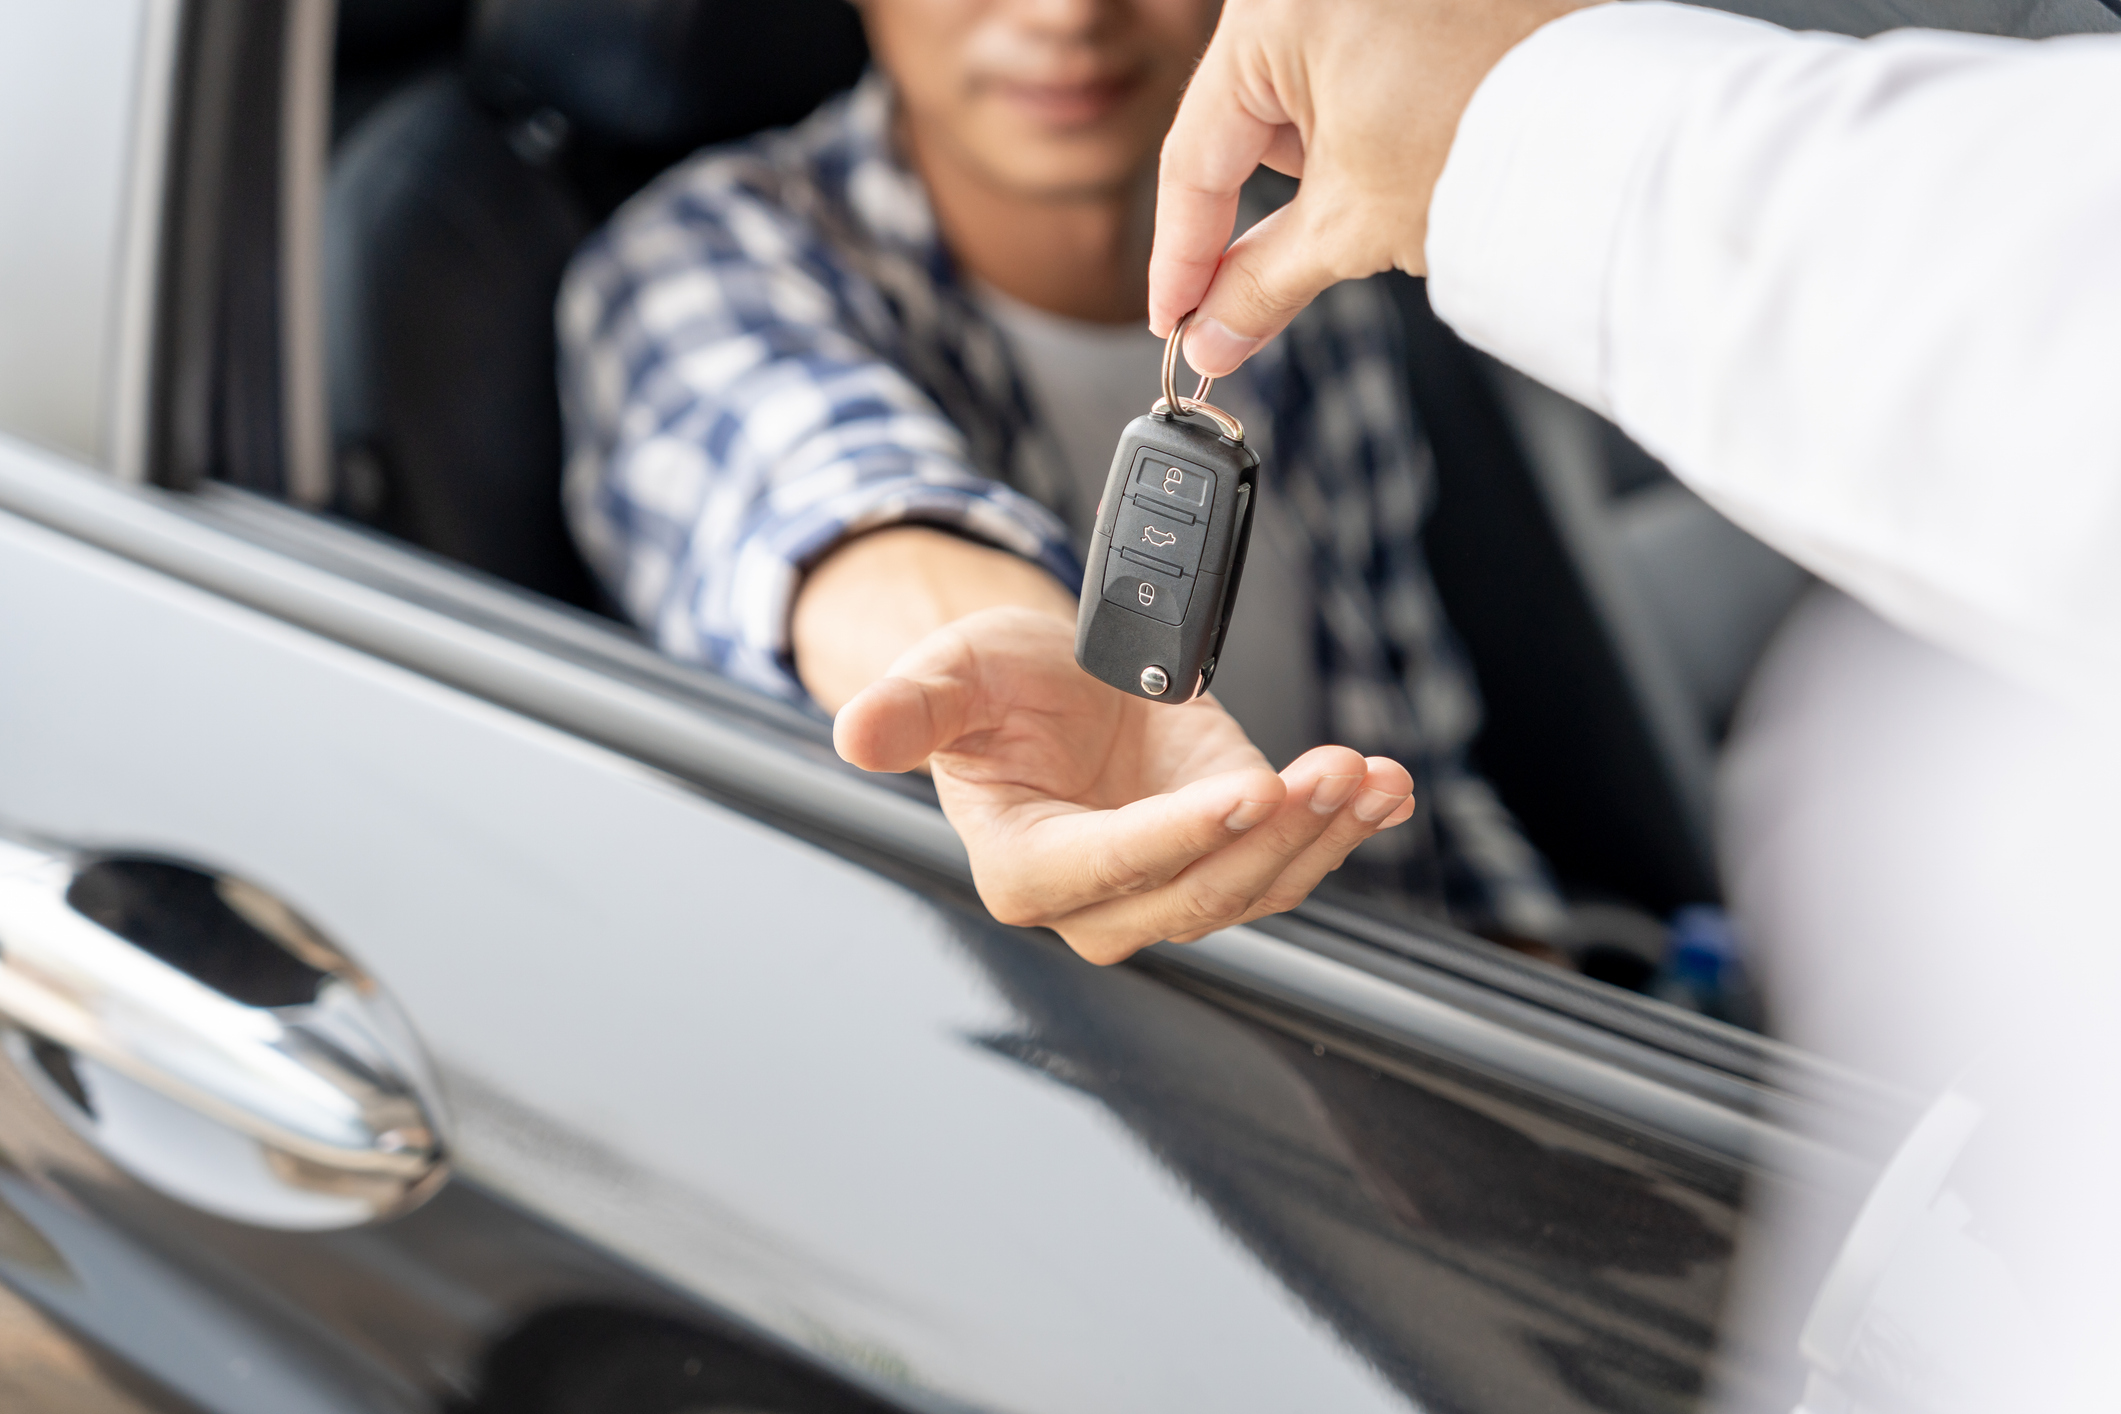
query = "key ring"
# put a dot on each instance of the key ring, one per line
(1170, 404)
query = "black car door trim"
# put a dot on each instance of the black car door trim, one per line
(236, 389)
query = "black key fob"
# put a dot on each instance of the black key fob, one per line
(1168, 550)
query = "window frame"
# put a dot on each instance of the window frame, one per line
(235, 390)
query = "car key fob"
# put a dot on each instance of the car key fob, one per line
(1169, 547)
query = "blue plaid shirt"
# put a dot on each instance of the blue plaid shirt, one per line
(769, 350)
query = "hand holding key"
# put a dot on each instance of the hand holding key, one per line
(1359, 98)
(1115, 821)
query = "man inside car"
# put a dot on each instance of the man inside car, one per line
(841, 400)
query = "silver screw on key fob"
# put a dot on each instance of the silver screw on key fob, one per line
(1169, 546)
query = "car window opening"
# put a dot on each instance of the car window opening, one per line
(1608, 617)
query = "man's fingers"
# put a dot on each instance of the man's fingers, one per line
(1270, 274)
(1214, 145)
(1384, 799)
(1068, 860)
(1222, 887)
(897, 723)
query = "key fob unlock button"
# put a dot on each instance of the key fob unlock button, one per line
(1147, 590)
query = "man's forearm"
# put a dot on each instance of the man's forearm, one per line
(878, 594)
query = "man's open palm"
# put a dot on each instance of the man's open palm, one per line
(1114, 821)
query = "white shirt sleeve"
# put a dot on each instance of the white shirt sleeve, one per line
(1864, 296)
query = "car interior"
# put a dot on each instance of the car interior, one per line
(1612, 618)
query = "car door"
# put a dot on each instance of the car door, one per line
(781, 1067)
(677, 1063)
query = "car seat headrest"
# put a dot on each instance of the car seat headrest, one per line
(370, 30)
(665, 74)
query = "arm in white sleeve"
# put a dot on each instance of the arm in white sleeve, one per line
(1864, 296)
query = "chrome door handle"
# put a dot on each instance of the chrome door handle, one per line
(315, 1081)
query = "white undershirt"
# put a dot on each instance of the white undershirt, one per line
(1088, 381)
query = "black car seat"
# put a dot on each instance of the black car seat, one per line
(454, 203)
(1611, 616)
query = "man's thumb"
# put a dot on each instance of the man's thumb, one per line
(1265, 279)
(897, 723)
